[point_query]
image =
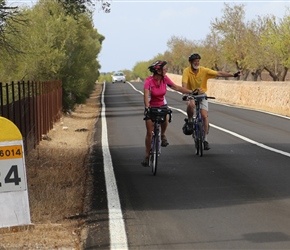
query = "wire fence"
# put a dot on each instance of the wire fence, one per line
(33, 107)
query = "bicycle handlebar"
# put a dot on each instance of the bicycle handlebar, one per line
(196, 97)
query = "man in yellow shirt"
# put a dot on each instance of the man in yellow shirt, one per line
(195, 78)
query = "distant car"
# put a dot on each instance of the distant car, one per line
(118, 77)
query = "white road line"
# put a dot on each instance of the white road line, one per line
(118, 237)
(241, 137)
(251, 141)
(133, 87)
(233, 133)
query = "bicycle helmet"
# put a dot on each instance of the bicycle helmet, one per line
(186, 129)
(158, 65)
(193, 57)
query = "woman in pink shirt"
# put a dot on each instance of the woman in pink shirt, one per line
(154, 96)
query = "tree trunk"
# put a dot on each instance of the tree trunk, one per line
(272, 74)
(245, 74)
(255, 74)
(284, 74)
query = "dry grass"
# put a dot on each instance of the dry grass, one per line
(56, 176)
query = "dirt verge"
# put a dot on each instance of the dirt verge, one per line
(57, 187)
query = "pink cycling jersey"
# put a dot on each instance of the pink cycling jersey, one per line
(157, 93)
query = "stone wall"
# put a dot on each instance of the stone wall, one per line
(263, 95)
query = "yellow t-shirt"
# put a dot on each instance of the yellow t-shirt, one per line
(199, 80)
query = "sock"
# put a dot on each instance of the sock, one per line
(205, 137)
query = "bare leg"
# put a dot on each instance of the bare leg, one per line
(164, 127)
(204, 115)
(190, 110)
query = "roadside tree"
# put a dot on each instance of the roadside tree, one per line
(180, 49)
(231, 28)
(276, 41)
(211, 52)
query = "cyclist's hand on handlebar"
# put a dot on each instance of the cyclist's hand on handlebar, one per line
(237, 74)
(195, 92)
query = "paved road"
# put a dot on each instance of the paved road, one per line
(234, 197)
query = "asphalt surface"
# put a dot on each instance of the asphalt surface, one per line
(237, 196)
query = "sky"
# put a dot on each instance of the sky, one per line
(138, 30)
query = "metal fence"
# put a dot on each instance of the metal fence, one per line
(32, 106)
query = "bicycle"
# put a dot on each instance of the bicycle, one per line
(198, 133)
(157, 116)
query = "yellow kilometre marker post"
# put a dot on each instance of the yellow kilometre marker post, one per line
(14, 203)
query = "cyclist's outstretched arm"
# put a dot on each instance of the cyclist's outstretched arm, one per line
(181, 89)
(226, 74)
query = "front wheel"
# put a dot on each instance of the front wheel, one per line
(195, 139)
(153, 158)
(200, 139)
